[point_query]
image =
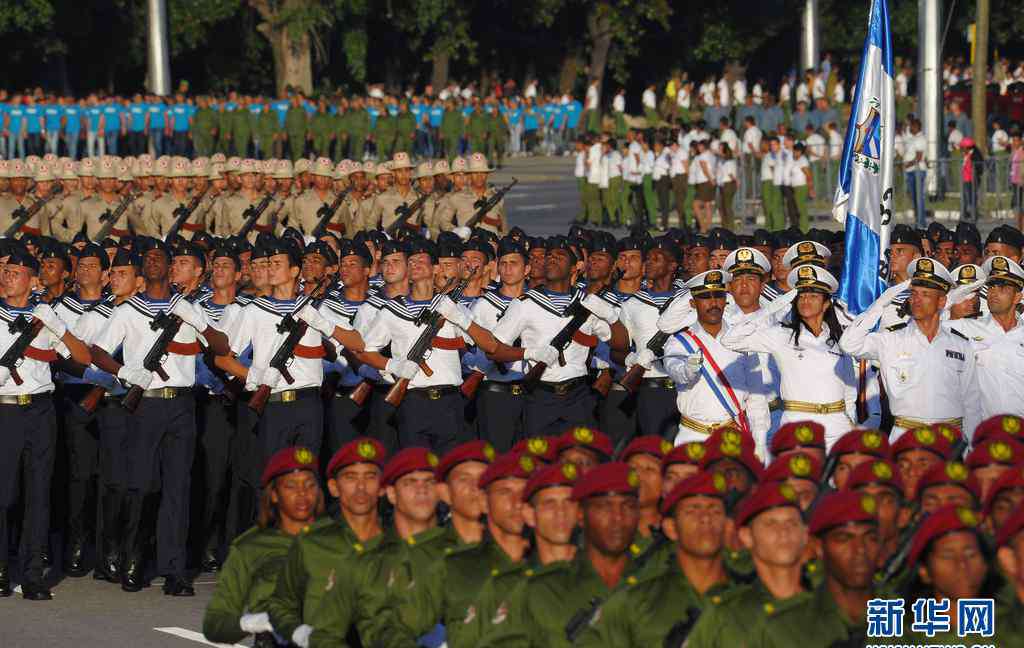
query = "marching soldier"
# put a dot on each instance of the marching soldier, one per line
(107, 199)
(161, 211)
(233, 216)
(65, 217)
(464, 203)
(305, 205)
(929, 373)
(384, 215)
(296, 127)
(30, 421)
(164, 422)
(240, 601)
(20, 174)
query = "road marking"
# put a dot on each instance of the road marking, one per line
(543, 207)
(192, 635)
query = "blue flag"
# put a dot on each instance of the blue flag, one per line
(864, 197)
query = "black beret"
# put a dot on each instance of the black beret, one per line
(479, 245)
(355, 248)
(421, 245)
(227, 251)
(125, 257)
(22, 257)
(91, 250)
(509, 245)
(393, 247)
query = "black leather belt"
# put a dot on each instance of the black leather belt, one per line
(564, 387)
(292, 395)
(513, 387)
(434, 393)
(658, 383)
(22, 400)
(166, 393)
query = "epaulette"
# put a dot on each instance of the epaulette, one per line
(958, 333)
(896, 327)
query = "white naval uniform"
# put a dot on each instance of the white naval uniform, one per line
(925, 381)
(999, 358)
(71, 310)
(812, 372)
(35, 374)
(341, 312)
(487, 312)
(696, 399)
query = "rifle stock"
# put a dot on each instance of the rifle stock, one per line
(131, 400)
(634, 376)
(397, 392)
(489, 204)
(471, 384)
(603, 383)
(259, 398)
(26, 215)
(183, 213)
(327, 212)
(92, 399)
(361, 392)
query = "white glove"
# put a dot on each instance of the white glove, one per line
(691, 368)
(601, 308)
(962, 293)
(782, 302)
(402, 368)
(893, 292)
(50, 319)
(644, 357)
(316, 321)
(546, 354)
(136, 376)
(463, 233)
(457, 314)
(255, 623)
(5, 375)
(259, 376)
(190, 315)
(301, 635)
(695, 360)
(678, 315)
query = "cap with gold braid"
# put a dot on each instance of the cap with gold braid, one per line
(747, 260)
(968, 273)
(929, 273)
(811, 278)
(806, 252)
(1004, 271)
(709, 284)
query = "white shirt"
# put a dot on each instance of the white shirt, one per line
(339, 311)
(650, 100)
(128, 327)
(647, 162)
(257, 326)
(812, 371)
(594, 154)
(535, 319)
(785, 92)
(901, 84)
(739, 91)
(1000, 141)
(35, 374)
(730, 137)
(999, 358)
(818, 91)
(619, 103)
(752, 140)
(683, 97)
(816, 146)
(613, 161)
(697, 174)
(838, 93)
(605, 166)
(639, 315)
(835, 145)
(581, 164)
(679, 157)
(803, 93)
(662, 164)
(953, 140)
(531, 91)
(725, 172)
(795, 172)
(707, 93)
(912, 145)
(768, 163)
(723, 91)
(783, 162)
(631, 169)
(394, 325)
(592, 98)
(487, 311)
(758, 93)
(926, 381)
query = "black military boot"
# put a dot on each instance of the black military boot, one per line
(108, 563)
(75, 566)
(5, 581)
(131, 573)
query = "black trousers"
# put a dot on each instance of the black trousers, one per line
(160, 450)
(435, 423)
(500, 417)
(27, 449)
(548, 413)
(298, 423)
(243, 500)
(345, 422)
(82, 436)
(216, 436)
(656, 412)
(112, 421)
(382, 426)
(617, 414)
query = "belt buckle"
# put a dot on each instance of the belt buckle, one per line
(561, 389)
(24, 399)
(434, 393)
(288, 396)
(168, 393)
(669, 383)
(516, 390)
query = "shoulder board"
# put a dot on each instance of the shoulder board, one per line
(896, 327)
(958, 333)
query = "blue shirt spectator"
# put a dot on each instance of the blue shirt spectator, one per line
(52, 114)
(157, 115)
(33, 119)
(573, 111)
(771, 117)
(374, 113)
(181, 113)
(436, 115)
(137, 113)
(530, 119)
(111, 118)
(281, 107)
(72, 119)
(17, 115)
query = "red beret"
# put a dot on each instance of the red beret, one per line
(1013, 478)
(863, 441)
(797, 434)
(1008, 423)
(841, 507)
(725, 447)
(481, 451)
(289, 460)
(588, 438)
(945, 520)
(361, 450)
(731, 435)
(542, 448)
(931, 438)
(1013, 525)
(879, 472)
(559, 474)
(997, 448)
(796, 465)
(766, 495)
(949, 472)
(510, 464)
(651, 444)
(407, 461)
(691, 452)
(614, 476)
(711, 484)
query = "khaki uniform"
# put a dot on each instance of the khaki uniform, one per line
(92, 208)
(162, 212)
(383, 212)
(355, 213)
(463, 204)
(305, 207)
(208, 207)
(38, 224)
(232, 218)
(430, 212)
(65, 217)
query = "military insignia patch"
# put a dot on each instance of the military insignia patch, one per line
(799, 465)
(869, 504)
(804, 434)
(489, 451)
(537, 445)
(583, 435)
(882, 470)
(569, 471)
(633, 479)
(695, 450)
(366, 450)
(956, 471)
(432, 459)
(303, 456)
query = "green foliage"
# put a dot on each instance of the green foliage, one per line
(25, 15)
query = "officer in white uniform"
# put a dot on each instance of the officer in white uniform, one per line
(715, 387)
(929, 373)
(998, 340)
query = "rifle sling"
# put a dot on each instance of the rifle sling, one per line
(448, 344)
(183, 348)
(42, 355)
(310, 352)
(582, 339)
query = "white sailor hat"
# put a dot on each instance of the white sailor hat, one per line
(968, 273)
(746, 260)
(811, 278)
(1001, 269)
(708, 283)
(929, 273)
(806, 252)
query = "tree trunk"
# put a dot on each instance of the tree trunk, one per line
(599, 28)
(979, 91)
(293, 56)
(441, 59)
(570, 68)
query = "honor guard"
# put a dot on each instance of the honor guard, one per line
(36, 336)
(929, 373)
(19, 198)
(107, 199)
(161, 212)
(164, 422)
(464, 204)
(386, 205)
(306, 205)
(232, 215)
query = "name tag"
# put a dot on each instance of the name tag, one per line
(956, 355)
